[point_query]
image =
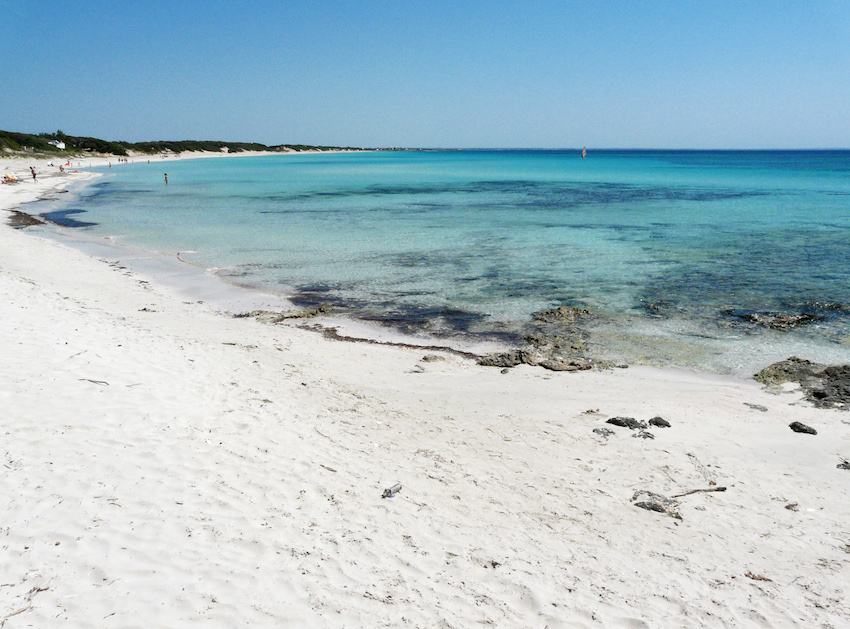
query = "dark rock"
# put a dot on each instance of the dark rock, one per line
(836, 387)
(825, 387)
(798, 427)
(432, 358)
(659, 422)
(603, 432)
(627, 422)
(562, 314)
(656, 502)
(643, 434)
(844, 465)
(756, 407)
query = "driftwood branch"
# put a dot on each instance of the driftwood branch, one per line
(29, 597)
(693, 491)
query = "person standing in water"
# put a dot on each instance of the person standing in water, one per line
(166, 179)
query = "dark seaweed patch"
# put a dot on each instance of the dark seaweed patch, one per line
(63, 217)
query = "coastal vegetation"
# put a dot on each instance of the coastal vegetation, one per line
(53, 143)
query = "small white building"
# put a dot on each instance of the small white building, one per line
(58, 144)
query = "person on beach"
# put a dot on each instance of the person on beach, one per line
(32, 170)
(166, 179)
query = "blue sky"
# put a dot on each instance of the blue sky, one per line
(665, 74)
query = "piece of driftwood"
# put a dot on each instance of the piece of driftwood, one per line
(95, 381)
(693, 491)
(15, 613)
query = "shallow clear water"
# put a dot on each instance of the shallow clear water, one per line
(668, 249)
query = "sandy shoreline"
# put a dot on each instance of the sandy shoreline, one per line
(164, 464)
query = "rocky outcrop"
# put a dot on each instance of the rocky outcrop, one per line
(793, 369)
(270, 316)
(516, 357)
(511, 358)
(555, 343)
(824, 386)
(566, 364)
(835, 388)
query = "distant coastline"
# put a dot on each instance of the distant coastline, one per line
(59, 144)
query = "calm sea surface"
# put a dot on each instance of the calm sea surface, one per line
(671, 250)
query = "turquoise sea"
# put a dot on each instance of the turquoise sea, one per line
(673, 252)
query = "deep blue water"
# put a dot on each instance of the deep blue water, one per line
(671, 250)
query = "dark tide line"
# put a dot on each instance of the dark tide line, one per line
(333, 334)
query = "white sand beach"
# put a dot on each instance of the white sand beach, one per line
(167, 465)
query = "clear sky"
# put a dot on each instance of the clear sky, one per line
(463, 73)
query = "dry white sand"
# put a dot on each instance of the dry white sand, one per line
(166, 465)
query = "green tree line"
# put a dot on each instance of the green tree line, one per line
(40, 143)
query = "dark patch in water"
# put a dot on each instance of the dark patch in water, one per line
(63, 217)
(538, 194)
(439, 321)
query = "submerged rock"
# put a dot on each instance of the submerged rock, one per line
(825, 387)
(573, 342)
(779, 321)
(562, 314)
